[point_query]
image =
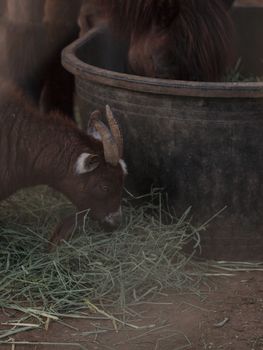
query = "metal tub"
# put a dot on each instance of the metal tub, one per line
(202, 142)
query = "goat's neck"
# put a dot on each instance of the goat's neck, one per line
(55, 152)
(37, 150)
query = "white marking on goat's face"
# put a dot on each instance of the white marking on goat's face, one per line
(123, 166)
(80, 164)
(114, 219)
(85, 163)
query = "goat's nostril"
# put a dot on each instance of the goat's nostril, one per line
(113, 219)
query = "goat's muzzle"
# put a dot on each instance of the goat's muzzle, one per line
(112, 220)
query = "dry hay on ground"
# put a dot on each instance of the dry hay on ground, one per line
(142, 257)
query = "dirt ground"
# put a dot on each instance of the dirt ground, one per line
(228, 314)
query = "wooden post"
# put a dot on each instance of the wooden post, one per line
(25, 11)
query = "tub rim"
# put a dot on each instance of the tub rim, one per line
(136, 83)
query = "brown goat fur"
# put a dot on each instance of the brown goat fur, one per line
(176, 39)
(35, 33)
(44, 149)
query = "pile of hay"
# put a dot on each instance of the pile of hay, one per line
(143, 256)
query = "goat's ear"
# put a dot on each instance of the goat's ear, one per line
(86, 163)
(91, 131)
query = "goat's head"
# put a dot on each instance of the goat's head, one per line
(175, 39)
(94, 182)
(99, 176)
(191, 41)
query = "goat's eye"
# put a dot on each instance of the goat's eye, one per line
(105, 188)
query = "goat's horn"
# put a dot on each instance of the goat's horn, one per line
(110, 146)
(115, 130)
